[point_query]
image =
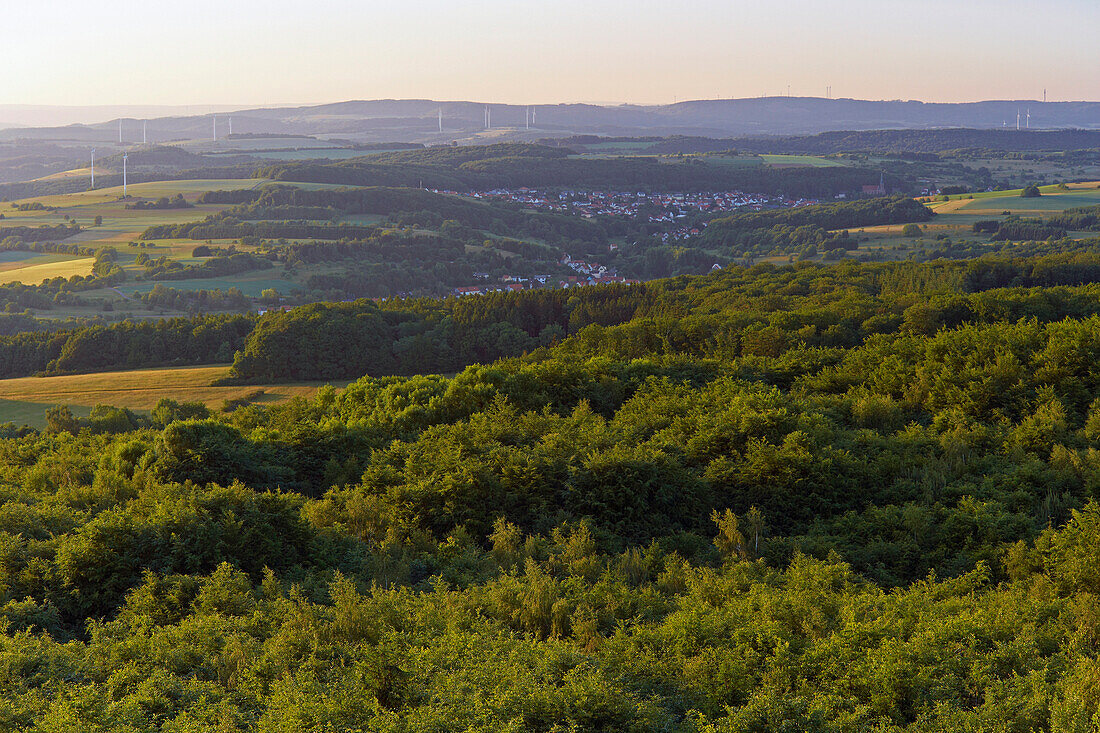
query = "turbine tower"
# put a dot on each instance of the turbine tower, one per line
(1029, 118)
(230, 127)
(93, 168)
(120, 130)
(1017, 120)
(440, 119)
(124, 156)
(144, 132)
(215, 128)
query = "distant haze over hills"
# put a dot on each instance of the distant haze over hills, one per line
(418, 120)
(35, 115)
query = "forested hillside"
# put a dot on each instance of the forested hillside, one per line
(804, 498)
(764, 311)
(515, 164)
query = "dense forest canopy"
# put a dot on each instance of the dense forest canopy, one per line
(813, 498)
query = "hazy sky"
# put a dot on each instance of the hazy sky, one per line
(542, 51)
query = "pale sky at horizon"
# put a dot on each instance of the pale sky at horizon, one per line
(248, 52)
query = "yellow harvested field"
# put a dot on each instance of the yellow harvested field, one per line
(153, 189)
(24, 399)
(35, 274)
(74, 173)
(944, 207)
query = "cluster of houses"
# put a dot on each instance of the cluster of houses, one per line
(674, 235)
(653, 207)
(588, 273)
(657, 208)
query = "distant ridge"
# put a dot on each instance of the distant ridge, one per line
(417, 120)
(36, 115)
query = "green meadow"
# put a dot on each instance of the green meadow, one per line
(1050, 202)
(812, 161)
(249, 283)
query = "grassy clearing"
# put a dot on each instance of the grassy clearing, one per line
(26, 399)
(32, 413)
(363, 219)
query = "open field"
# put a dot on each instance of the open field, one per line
(249, 283)
(304, 154)
(9, 260)
(152, 189)
(250, 144)
(733, 161)
(74, 173)
(120, 228)
(33, 274)
(25, 399)
(957, 216)
(1046, 204)
(793, 161)
(363, 219)
(1051, 189)
(619, 145)
(23, 412)
(119, 225)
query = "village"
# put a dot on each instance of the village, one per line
(655, 208)
(668, 209)
(587, 273)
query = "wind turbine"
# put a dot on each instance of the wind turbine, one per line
(124, 156)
